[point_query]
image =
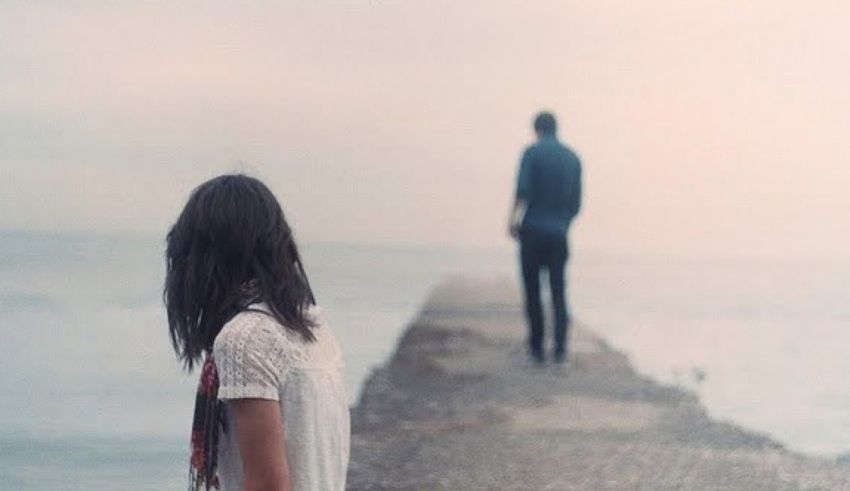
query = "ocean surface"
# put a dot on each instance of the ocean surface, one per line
(93, 398)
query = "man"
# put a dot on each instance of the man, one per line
(548, 197)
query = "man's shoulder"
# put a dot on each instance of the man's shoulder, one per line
(571, 154)
(531, 148)
(552, 148)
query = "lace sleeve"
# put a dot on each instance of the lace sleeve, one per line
(247, 354)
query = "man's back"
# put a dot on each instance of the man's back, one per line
(549, 189)
(550, 184)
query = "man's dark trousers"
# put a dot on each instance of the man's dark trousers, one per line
(539, 251)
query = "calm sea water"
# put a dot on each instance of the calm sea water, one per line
(92, 397)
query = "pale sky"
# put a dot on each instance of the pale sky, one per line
(706, 126)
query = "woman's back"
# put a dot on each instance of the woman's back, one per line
(257, 358)
(272, 372)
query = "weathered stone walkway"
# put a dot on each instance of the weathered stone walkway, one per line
(456, 409)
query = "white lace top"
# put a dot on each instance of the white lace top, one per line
(256, 357)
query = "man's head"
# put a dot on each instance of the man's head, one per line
(544, 124)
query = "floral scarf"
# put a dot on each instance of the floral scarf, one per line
(207, 421)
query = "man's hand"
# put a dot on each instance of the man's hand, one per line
(513, 230)
(516, 217)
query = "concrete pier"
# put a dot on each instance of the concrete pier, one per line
(455, 408)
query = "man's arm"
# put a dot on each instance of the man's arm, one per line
(523, 191)
(575, 203)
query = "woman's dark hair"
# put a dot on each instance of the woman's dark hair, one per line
(230, 244)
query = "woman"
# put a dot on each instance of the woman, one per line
(271, 411)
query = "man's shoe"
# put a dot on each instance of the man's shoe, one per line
(560, 358)
(535, 360)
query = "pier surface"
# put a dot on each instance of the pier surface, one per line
(455, 408)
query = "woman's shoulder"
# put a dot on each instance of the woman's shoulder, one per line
(257, 329)
(250, 329)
